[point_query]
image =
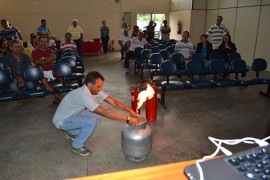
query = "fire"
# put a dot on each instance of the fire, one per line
(143, 95)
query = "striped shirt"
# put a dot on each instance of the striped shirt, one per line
(186, 49)
(216, 33)
(12, 33)
(68, 45)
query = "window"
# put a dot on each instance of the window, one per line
(143, 21)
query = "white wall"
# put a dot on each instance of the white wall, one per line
(26, 14)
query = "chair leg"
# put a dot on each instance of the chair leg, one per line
(162, 98)
(141, 72)
(267, 94)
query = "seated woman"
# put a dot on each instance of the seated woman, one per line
(225, 48)
(204, 47)
(4, 48)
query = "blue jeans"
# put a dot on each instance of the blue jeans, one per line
(14, 86)
(81, 125)
(105, 43)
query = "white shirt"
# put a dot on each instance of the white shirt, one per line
(186, 49)
(135, 42)
(123, 38)
(75, 102)
(165, 36)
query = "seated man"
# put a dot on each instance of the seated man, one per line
(185, 46)
(44, 57)
(124, 38)
(134, 42)
(16, 62)
(70, 44)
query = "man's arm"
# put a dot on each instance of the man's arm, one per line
(100, 110)
(44, 60)
(119, 105)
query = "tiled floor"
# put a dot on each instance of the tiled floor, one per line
(32, 148)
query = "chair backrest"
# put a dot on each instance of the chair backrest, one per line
(138, 51)
(68, 50)
(259, 64)
(33, 73)
(166, 54)
(68, 53)
(215, 55)
(161, 46)
(193, 67)
(197, 57)
(171, 49)
(1, 63)
(61, 70)
(5, 77)
(238, 65)
(155, 49)
(155, 44)
(168, 68)
(178, 59)
(168, 44)
(216, 66)
(70, 61)
(234, 55)
(156, 58)
(146, 54)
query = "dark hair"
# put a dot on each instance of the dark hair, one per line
(68, 34)
(204, 35)
(228, 36)
(186, 32)
(3, 20)
(92, 76)
(43, 20)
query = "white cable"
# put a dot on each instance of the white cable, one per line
(218, 144)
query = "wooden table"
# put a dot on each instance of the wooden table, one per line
(161, 172)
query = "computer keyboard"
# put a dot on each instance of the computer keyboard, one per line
(252, 164)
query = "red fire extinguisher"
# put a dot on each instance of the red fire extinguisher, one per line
(179, 27)
(134, 101)
(151, 105)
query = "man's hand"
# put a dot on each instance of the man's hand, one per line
(20, 81)
(134, 121)
(132, 113)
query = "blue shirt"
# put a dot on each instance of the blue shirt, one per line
(105, 31)
(43, 30)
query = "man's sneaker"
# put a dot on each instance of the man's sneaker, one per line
(69, 136)
(83, 151)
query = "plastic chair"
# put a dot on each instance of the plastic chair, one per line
(71, 60)
(166, 54)
(1, 63)
(161, 46)
(63, 71)
(155, 60)
(168, 69)
(34, 74)
(178, 59)
(215, 55)
(171, 49)
(145, 58)
(5, 93)
(234, 55)
(217, 67)
(194, 68)
(137, 57)
(239, 66)
(155, 49)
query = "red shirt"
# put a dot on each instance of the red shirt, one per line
(38, 53)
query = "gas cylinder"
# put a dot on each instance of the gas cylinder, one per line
(136, 141)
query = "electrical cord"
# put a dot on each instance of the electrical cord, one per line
(218, 144)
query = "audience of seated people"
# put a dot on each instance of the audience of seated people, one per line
(123, 42)
(68, 43)
(225, 48)
(9, 32)
(134, 42)
(185, 46)
(16, 62)
(44, 57)
(4, 49)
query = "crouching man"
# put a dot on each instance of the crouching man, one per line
(79, 112)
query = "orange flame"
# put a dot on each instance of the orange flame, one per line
(143, 95)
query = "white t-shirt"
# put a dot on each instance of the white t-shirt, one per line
(75, 102)
(187, 49)
(135, 42)
(123, 38)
